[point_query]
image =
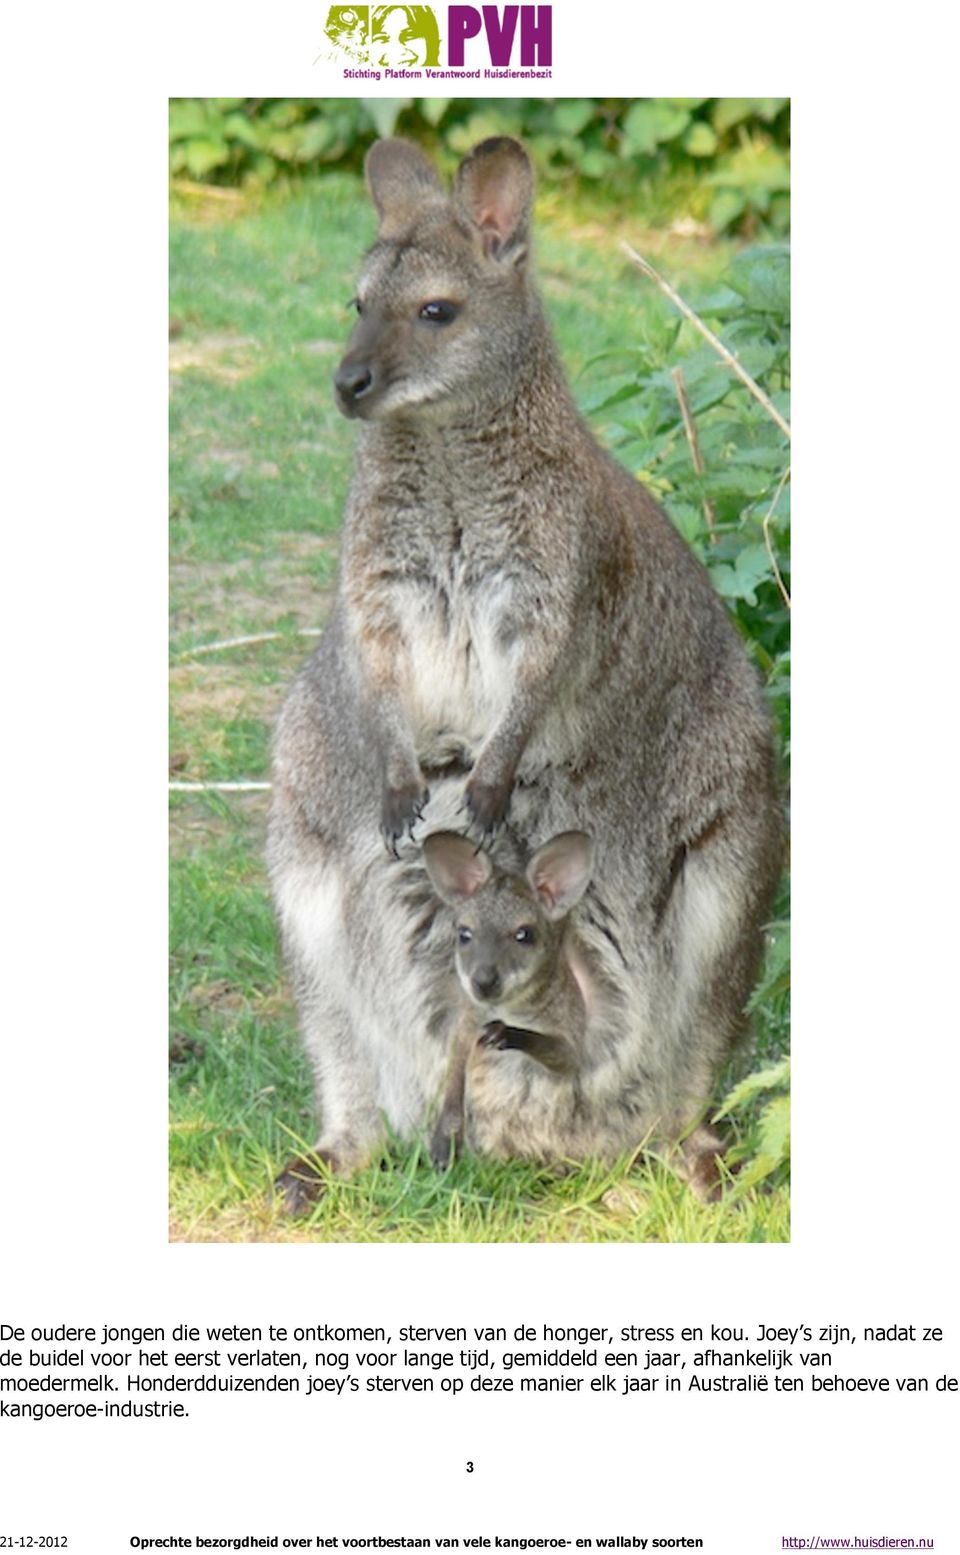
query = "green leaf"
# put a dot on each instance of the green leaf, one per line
(729, 111)
(725, 208)
(651, 122)
(594, 163)
(700, 140)
(572, 115)
(764, 1080)
(775, 1129)
(762, 277)
(606, 398)
(740, 581)
(756, 167)
(314, 138)
(383, 112)
(236, 126)
(433, 108)
(202, 156)
(190, 117)
(688, 519)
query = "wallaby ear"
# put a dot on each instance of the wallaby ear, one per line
(399, 178)
(560, 872)
(494, 188)
(455, 867)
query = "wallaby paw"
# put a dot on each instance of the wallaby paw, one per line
(302, 1182)
(401, 809)
(493, 1035)
(486, 805)
(552, 1053)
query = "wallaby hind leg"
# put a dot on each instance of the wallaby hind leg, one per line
(715, 927)
(350, 1127)
(447, 1135)
(698, 1162)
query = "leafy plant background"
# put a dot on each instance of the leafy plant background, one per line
(729, 155)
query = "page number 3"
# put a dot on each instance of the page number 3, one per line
(469, 1466)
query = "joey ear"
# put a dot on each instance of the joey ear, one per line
(400, 179)
(560, 872)
(455, 867)
(494, 188)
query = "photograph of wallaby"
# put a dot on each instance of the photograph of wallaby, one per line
(521, 647)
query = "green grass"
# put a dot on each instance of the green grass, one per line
(260, 461)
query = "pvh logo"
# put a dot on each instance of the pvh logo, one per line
(418, 40)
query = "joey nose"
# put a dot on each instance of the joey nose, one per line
(486, 982)
(353, 380)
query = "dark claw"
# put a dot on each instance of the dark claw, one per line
(494, 1035)
(553, 1053)
(401, 809)
(487, 805)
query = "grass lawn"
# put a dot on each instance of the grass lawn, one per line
(260, 462)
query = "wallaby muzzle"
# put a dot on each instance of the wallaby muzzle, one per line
(486, 983)
(353, 380)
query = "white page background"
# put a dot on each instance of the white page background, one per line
(84, 1125)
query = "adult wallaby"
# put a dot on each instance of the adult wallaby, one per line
(512, 958)
(520, 629)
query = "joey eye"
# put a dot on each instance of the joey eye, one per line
(464, 935)
(355, 304)
(439, 312)
(526, 935)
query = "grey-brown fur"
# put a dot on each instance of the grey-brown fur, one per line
(520, 632)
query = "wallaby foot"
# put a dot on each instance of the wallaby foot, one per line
(699, 1164)
(401, 808)
(302, 1181)
(446, 1140)
(553, 1053)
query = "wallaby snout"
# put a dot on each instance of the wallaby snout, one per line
(353, 380)
(486, 983)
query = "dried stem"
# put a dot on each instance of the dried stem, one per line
(244, 642)
(218, 788)
(766, 537)
(708, 335)
(689, 426)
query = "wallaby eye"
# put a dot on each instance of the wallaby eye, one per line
(464, 935)
(439, 312)
(355, 303)
(526, 936)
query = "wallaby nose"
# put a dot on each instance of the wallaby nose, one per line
(486, 982)
(353, 380)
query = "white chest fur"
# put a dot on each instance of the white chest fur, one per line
(459, 663)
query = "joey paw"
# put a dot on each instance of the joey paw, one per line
(551, 1053)
(495, 1035)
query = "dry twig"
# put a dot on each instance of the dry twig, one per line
(689, 426)
(766, 537)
